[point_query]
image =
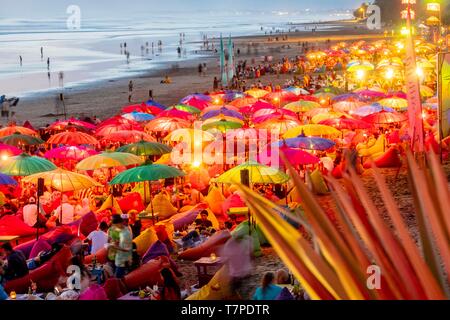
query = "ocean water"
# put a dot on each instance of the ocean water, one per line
(93, 52)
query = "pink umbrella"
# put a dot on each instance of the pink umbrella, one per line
(142, 108)
(276, 115)
(281, 97)
(267, 112)
(197, 103)
(115, 124)
(385, 117)
(128, 136)
(166, 124)
(346, 123)
(174, 113)
(76, 153)
(371, 94)
(295, 156)
(8, 151)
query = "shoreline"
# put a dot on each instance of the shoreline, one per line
(104, 98)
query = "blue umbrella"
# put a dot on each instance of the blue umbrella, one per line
(232, 95)
(223, 111)
(155, 104)
(307, 143)
(138, 116)
(7, 180)
(370, 109)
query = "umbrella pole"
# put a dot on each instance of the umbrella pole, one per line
(151, 206)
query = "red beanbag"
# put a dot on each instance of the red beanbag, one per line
(147, 275)
(13, 226)
(133, 201)
(101, 256)
(212, 245)
(390, 159)
(40, 245)
(337, 172)
(114, 288)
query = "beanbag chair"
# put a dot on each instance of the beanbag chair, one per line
(390, 159)
(86, 224)
(12, 225)
(45, 276)
(337, 172)
(181, 220)
(26, 247)
(233, 201)
(212, 218)
(110, 203)
(218, 288)
(318, 183)
(101, 256)
(162, 206)
(146, 275)
(215, 199)
(212, 245)
(376, 148)
(94, 292)
(132, 201)
(40, 245)
(145, 240)
(62, 234)
(293, 196)
(114, 288)
(157, 249)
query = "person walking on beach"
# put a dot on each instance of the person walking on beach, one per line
(204, 69)
(216, 84)
(200, 69)
(48, 63)
(20, 59)
(128, 57)
(130, 90)
(42, 53)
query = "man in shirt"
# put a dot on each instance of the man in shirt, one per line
(30, 212)
(16, 262)
(65, 212)
(123, 257)
(98, 237)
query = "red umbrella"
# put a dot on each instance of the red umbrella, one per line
(142, 108)
(281, 97)
(72, 138)
(197, 103)
(346, 123)
(8, 151)
(117, 123)
(76, 153)
(11, 129)
(61, 125)
(384, 117)
(174, 113)
(128, 136)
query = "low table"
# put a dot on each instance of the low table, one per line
(202, 265)
(9, 239)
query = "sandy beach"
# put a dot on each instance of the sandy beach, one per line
(106, 98)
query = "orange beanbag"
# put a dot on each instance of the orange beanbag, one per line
(390, 159)
(212, 245)
(101, 256)
(146, 275)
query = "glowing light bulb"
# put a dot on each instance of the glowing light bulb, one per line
(196, 164)
(389, 74)
(360, 74)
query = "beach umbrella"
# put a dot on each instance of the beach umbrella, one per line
(222, 111)
(314, 112)
(371, 94)
(358, 65)
(259, 105)
(222, 125)
(295, 156)
(243, 102)
(196, 103)
(62, 124)
(394, 103)
(108, 129)
(426, 92)
(174, 113)
(307, 143)
(231, 95)
(333, 90)
(72, 138)
(297, 91)
(186, 108)
(384, 117)
(128, 136)
(150, 109)
(75, 153)
(301, 106)
(63, 180)
(9, 130)
(258, 173)
(166, 124)
(328, 115)
(109, 160)
(197, 96)
(257, 93)
(324, 96)
(144, 148)
(18, 140)
(153, 103)
(347, 97)
(25, 165)
(7, 151)
(347, 106)
(280, 125)
(190, 135)
(6, 180)
(346, 123)
(316, 130)
(369, 109)
(274, 116)
(397, 94)
(222, 118)
(280, 97)
(138, 116)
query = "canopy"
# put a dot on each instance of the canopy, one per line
(166, 124)
(222, 125)
(138, 116)
(307, 143)
(151, 172)
(6, 180)
(18, 140)
(302, 106)
(258, 173)
(76, 153)
(109, 160)
(9, 130)
(72, 138)
(185, 108)
(143, 148)
(128, 136)
(317, 130)
(25, 165)
(63, 180)
(385, 117)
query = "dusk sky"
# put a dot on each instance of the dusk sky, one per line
(56, 8)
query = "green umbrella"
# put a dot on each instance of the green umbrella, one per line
(144, 148)
(25, 165)
(222, 125)
(184, 107)
(151, 172)
(18, 139)
(108, 160)
(332, 90)
(258, 173)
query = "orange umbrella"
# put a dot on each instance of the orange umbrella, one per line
(72, 138)
(128, 136)
(280, 125)
(166, 124)
(9, 130)
(242, 102)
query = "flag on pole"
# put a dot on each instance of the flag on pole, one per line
(223, 69)
(230, 59)
(413, 92)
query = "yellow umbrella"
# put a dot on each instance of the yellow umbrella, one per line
(63, 180)
(326, 116)
(425, 92)
(279, 125)
(394, 103)
(257, 93)
(302, 106)
(109, 160)
(364, 66)
(316, 130)
(192, 134)
(222, 118)
(258, 173)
